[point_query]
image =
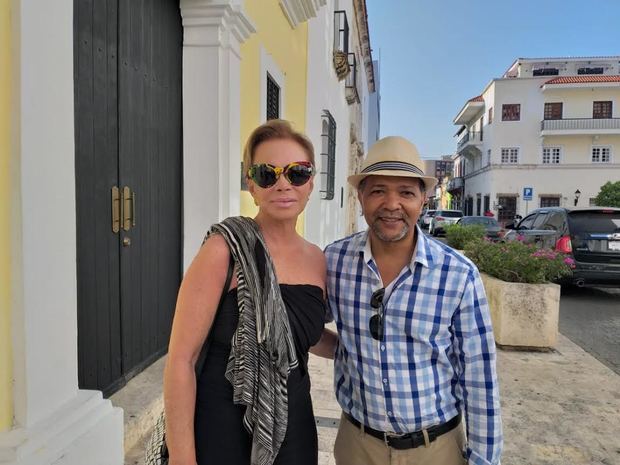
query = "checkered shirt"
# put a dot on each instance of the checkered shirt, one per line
(437, 357)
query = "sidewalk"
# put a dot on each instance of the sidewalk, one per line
(558, 408)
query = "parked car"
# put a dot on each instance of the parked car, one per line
(443, 218)
(591, 236)
(492, 229)
(425, 218)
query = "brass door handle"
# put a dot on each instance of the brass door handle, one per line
(116, 210)
(128, 210)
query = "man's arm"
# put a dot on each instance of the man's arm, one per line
(474, 350)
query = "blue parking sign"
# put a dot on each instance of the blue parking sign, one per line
(528, 193)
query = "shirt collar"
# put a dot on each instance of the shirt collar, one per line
(422, 255)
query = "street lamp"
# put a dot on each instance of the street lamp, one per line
(577, 194)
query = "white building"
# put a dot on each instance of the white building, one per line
(337, 114)
(549, 127)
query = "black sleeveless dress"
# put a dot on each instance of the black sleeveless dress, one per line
(220, 435)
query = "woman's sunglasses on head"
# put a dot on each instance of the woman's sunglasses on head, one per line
(265, 175)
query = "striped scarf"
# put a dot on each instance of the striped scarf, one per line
(262, 348)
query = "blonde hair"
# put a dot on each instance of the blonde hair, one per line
(274, 129)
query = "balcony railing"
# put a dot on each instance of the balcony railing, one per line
(455, 184)
(469, 138)
(351, 91)
(577, 124)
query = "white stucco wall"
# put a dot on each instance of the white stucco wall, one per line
(326, 219)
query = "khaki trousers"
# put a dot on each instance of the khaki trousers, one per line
(353, 447)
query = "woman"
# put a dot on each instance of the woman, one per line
(251, 403)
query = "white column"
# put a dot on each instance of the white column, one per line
(213, 32)
(54, 421)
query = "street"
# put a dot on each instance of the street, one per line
(590, 317)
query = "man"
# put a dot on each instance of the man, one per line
(416, 352)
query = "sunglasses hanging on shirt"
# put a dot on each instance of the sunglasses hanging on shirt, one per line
(376, 321)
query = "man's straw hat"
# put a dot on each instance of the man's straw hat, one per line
(393, 156)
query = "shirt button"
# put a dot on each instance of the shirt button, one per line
(384, 380)
(382, 347)
(390, 413)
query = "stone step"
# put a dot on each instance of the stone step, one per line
(142, 401)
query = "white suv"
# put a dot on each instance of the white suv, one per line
(443, 218)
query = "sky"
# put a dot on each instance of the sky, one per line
(436, 54)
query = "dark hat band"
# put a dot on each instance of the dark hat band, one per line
(393, 166)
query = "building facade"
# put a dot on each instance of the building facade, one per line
(547, 133)
(113, 179)
(442, 169)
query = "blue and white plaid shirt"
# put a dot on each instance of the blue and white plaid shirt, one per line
(437, 357)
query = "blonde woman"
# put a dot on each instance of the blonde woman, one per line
(250, 403)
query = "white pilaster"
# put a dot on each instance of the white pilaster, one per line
(54, 421)
(213, 33)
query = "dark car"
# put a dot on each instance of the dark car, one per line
(591, 236)
(492, 229)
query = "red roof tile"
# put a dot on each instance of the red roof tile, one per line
(583, 79)
(476, 99)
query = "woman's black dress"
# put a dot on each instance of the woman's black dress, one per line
(221, 437)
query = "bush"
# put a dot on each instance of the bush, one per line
(458, 236)
(518, 262)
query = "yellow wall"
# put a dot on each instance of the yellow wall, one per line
(6, 385)
(289, 49)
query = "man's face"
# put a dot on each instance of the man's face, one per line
(392, 206)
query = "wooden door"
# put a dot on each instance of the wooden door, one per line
(128, 136)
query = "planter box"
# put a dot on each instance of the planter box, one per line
(525, 316)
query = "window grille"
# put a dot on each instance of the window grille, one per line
(551, 155)
(328, 156)
(273, 99)
(510, 155)
(341, 31)
(511, 112)
(553, 110)
(601, 154)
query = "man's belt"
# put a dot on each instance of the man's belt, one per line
(408, 440)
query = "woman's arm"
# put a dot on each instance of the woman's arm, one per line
(197, 302)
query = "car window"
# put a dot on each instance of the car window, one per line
(540, 220)
(528, 221)
(451, 214)
(605, 222)
(555, 221)
(431, 213)
(491, 221)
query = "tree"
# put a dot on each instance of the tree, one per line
(609, 196)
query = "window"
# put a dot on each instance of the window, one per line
(601, 110)
(549, 201)
(546, 72)
(540, 220)
(490, 116)
(487, 203)
(511, 112)
(273, 99)
(507, 208)
(528, 221)
(598, 70)
(341, 31)
(328, 156)
(510, 155)
(488, 157)
(601, 154)
(551, 155)
(556, 221)
(553, 110)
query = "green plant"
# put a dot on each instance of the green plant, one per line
(518, 262)
(457, 236)
(609, 195)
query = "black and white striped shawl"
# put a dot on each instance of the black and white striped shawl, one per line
(262, 348)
